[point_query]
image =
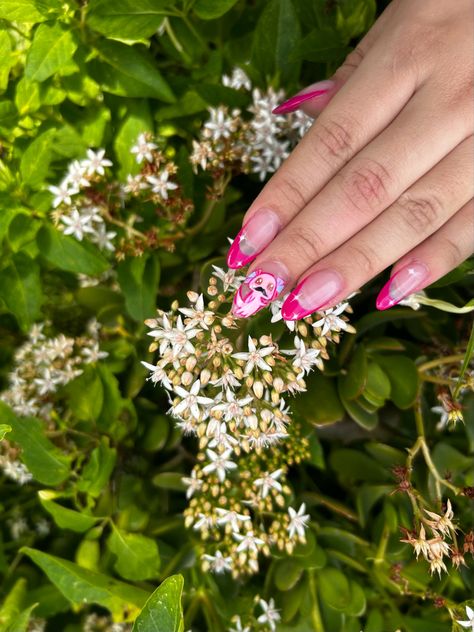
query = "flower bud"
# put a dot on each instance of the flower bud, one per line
(211, 290)
(249, 381)
(174, 306)
(187, 378)
(268, 377)
(275, 397)
(278, 384)
(191, 362)
(258, 389)
(192, 296)
(205, 376)
(265, 341)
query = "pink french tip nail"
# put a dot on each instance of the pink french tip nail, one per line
(253, 237)
(311, 92)
(313, 293)
(260, 287)
(410, 278)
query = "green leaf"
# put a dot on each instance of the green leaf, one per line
(365, 418)
(323, 44)
(375, 319)
(169, 480)
(34, 165)
(28, 11)
(366, 497)
(126, 19)
(12, 604)
(211, 9)
(129, 71)
(20, 289)
(20, 622)
(163, 611)
(27, 96)
(97, 471)
(287, 574)
(50, 52)
(85, 395)
(138, 120)
(44, 460)
(353, 381)
(138, 280)
(358, 602)
(63, 516)
(352, 466)
(378, 384)
(404, 379)
(320, 403)
(334, 588)
(277, 33)
(4, 430)
(67, 253)
(82, 586)
(137, 556)
(7, 59)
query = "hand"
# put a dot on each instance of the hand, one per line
(384, 175)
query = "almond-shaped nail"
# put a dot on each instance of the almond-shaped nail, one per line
(260, 287)
(313, 293)
(310, 92)
(410, 278)
(253, 237)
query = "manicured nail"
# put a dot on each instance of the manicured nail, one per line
(259, 288)
(312, 294)
(310, 92)
(402, 284)
(253, 237)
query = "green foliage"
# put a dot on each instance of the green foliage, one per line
(98, 529)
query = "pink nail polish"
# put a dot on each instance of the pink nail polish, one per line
(253, 237)
(410, 278)
(313, 293)
(310, 92)
(260, 287)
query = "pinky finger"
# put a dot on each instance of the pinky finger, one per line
(432, 259)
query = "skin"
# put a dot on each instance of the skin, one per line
(386, 173)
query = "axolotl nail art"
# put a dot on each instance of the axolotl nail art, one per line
(257, 291)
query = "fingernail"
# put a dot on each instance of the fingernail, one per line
(310, 92)
(403, 283)
(313, 293)
(260, 287)
(253, 237)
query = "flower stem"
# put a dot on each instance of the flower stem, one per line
(315, 613)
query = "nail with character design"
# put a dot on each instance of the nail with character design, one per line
(260, 287)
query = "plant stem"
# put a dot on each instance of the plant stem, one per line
(432, 364)
(382, 547)
(315, 613)
(467, 359)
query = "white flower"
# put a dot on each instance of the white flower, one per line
(161, 185)
(143, 149)
(470, 619)
(190, 400)
(218, 563)
(219, 125)
(76, 175)
(268, 482)
(62, 193)
(158, 375)
(18, 527)
(95, 162)
(229, 278)
(305, 359)
(93, 353)
(227, 380)
(330, 320)
(298, 521)
(193, 484)
(179, 336)
(16, 471)
(103, 238)
(135, 184)
(197, 315)
(254, 357)
(76, 224)
(204, 522)
(270, 613)
(231, 517)
(47, 383)
(219, 464)
(248, 542)
(275, 308)
(237, 80)
(413, 300)
(232, 408)
(221, 439)
(301, 122)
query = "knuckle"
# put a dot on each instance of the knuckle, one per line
(366, 185)
(364, 258)
(419, 213)
(453, 252)
(305, 241)
(289, 190)
(353, 60)
(333, 141)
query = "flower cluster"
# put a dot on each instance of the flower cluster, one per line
(442, 542)
(89, 204)
(256, 141)
(42, 365)
(229, 390)
(266, 618)
(96, 623)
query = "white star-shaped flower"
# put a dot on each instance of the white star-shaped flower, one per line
(231, 517)
(95, 162)
(193, 484)
(220, 464)
(330, 321)
(470, 619)
(158, 375)
(248, 542)
(190, 400)
(298, 521)
(270, 614)
(218, 563)
(268, 482)
(143, 149)
(62, 193)
(76, 224)
(254, 357)
(160, 184)
(197, 315)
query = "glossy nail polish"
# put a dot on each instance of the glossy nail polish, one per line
(410, 278)
(260, 287)
(253, 237)
(311, 92)
(313, 293)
